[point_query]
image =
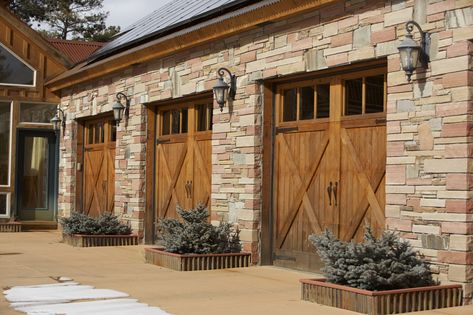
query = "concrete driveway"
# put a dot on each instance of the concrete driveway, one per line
(37, 257)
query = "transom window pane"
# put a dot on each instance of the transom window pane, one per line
(99, 133)
(96, 132)
(306, 103)
(91, 132)
(185, 120)
(176, 121)
(323, 100)
(37, 113)
(13, 70)
(289, 105)
(166, 122)
(204, 117)
(5, 125)
(113, 131)
(354, 97)
(374, 94)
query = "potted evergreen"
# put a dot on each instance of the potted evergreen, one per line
(378, 276)
(194, 244)
(83, 231)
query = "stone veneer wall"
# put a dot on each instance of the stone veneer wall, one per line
(429, 120)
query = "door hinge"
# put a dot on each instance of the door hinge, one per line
(380, 121)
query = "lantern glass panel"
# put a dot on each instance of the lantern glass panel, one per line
(409, 58)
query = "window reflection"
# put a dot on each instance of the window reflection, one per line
(353, 96)
(290, 105)
(13, 70)
(307, 103)
(374, 94)
(37, 113)
(35, 173)
(323, 100)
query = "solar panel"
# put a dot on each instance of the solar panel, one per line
(170, 15)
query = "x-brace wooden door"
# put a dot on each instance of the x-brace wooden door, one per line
(99, 166)
(329, 163)
(183, 157)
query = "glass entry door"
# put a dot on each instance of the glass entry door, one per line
(36, 175)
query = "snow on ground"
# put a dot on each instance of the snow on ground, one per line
(68, 298)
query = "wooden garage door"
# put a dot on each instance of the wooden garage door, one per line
(99, 166)
(330, 152)
(183, 157)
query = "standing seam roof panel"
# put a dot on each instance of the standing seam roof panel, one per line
(173, 13)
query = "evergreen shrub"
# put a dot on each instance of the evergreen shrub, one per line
(105, 224)
(195, 235)
(387, 263)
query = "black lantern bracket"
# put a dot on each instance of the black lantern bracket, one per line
(119, 107)
(232, 90)
(424, 56)
(222, 90)
(59, 119)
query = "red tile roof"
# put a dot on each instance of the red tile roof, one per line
(76, 50)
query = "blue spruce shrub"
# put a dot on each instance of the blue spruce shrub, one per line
(79, 223)
(110, 225)
(195, 235)
(106, 224)
(386, 263)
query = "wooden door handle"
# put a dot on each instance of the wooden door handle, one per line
(190, 189)
(187, 189)
(335, 195)
(329, 191)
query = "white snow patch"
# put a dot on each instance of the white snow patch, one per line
(62, 298)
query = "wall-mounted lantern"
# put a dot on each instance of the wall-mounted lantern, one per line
(411, 52)
(59, 120)
(119, 110)
(223, 91)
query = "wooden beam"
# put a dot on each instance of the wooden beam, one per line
(150, 178)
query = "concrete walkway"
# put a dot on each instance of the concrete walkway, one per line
(37, 257)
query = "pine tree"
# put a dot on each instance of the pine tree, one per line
(386, 263)
(66, 19)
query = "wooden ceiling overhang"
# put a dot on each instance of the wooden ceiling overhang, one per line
(215, 28)
(15, 24)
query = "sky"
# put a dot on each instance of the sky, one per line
(125, 12)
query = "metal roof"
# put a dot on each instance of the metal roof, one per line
(76, 50)
(175, 14)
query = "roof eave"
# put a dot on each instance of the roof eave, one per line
(214, 29)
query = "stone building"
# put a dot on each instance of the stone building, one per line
(324, 131)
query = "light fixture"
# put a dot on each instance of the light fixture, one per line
(411, 52)
(223, 91)
(119, 110)
(59, 120)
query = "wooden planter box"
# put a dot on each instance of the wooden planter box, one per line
(381, 302)
(10, 227)
(194, 262)
(80, 240)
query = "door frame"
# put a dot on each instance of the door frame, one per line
(269, 135)
(54, 181)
